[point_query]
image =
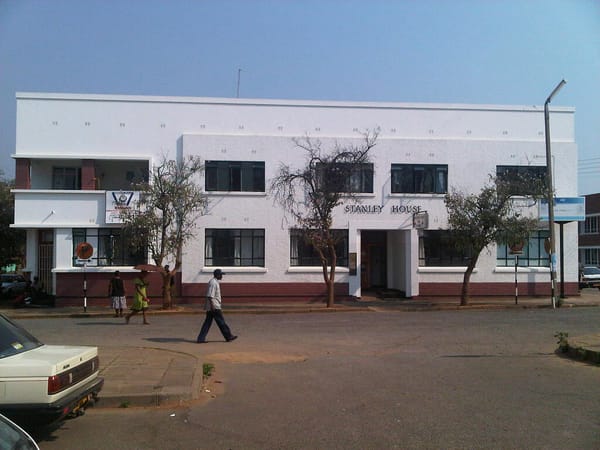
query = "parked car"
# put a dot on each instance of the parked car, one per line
(41, 384)
(12, 284)
(13, 437)
(589, 277)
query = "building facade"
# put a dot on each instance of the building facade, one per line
(589, 233)
(77, 155)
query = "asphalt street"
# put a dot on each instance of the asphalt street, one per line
(441, 379)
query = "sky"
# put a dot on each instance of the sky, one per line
(508, 52)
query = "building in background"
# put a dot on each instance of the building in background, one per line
(76, 156)
(589, 232)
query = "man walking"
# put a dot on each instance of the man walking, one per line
(213, 310)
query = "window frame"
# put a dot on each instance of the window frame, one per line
(215, 257)
(234, 176)
(303, 257)
(416, 174)
(69, 181)
(440, 240)
(535, 245)
(98, 238)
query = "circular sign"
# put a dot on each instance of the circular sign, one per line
(84, 250)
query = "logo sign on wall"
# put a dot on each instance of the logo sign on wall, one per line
(116, 201)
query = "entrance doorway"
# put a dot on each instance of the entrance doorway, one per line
(46, 259)
(373, 267)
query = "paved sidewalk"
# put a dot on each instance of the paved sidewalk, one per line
(137, 376)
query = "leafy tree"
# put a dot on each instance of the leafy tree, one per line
(478, 220)
(166, 215)
(12, 240)
(312, 192)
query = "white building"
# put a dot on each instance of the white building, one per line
(74, 151)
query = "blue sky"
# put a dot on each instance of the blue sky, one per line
(510, 52)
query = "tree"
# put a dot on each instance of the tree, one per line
(166, 215)
(478, 220)
(12, 240)
(312, 192)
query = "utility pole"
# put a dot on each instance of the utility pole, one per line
(550, 193)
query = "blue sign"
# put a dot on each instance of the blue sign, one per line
(566, 209)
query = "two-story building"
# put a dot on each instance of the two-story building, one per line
(76, 156)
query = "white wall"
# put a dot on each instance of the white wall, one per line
(471, 139)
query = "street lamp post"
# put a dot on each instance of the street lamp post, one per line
(550, 193)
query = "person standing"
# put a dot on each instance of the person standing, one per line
(140, 299)
(213, 310)
(116, 291)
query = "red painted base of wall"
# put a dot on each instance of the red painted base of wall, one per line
(491, 289)
(69, 291)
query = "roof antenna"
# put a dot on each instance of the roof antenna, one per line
(238, 83)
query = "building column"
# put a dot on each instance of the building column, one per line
(22, 173)
(411, 262)
(88, 175)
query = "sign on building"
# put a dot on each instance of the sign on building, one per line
(116, 201)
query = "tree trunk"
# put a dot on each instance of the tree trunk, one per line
(330, 293)
(464, 295)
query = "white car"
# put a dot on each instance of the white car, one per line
(589, 277)
(41, 384)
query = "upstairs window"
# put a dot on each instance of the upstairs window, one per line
(522, 176)
(235, 176)
(419, 178)
(66, 178)
(346, 178)
(591, 225)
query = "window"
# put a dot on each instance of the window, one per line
(360, 180)
(591, 256)
(436, 249)
(302, 253)
(591, 225)
(235, 176)
(521, 175)
(419, 178)
(234, 247)
(534, 254)
(110, 245)
(67, 178)
(346, 177)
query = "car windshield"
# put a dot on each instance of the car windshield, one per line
(591, 271)
(14, 339)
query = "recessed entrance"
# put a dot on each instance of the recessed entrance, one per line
(373, 259)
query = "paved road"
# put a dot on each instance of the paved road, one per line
(448, 379)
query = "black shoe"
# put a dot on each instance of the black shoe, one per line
(232, 338)
(200, 342)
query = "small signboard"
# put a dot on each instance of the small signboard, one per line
(117, 201)
(566, 209)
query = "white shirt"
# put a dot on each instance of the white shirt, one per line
(213, 295)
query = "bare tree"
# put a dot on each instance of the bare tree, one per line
(166, 215)
(478, 220)
(312, 192)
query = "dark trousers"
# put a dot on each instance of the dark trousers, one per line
(217, 315)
